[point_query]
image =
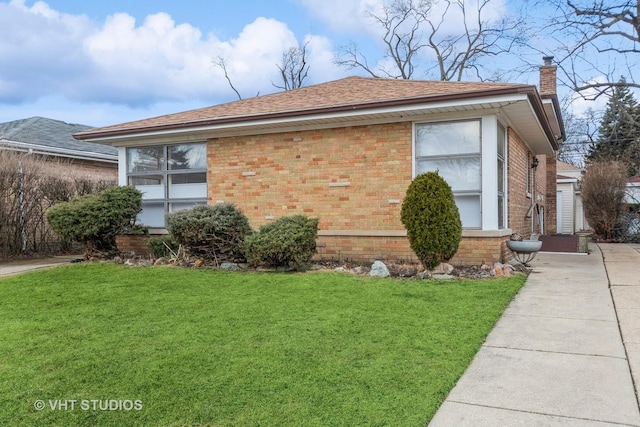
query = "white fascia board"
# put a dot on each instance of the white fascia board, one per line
(357, 113)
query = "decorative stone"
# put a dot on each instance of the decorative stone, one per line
(230, 266)
(379, 269)
(340, 269)
(443, 268)
(407, 271)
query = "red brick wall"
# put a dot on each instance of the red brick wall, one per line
(135, 244)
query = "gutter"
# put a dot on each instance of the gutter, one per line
(62, 152)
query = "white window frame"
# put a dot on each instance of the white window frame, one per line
(165, 199)
(488, 169)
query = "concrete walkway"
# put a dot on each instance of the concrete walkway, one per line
(566, 352)
(11, 268)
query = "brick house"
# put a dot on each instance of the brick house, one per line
(345, 151)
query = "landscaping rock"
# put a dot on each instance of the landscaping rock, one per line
(443, 268)
(500, 270)
(232, 266)
(340, 269)
(442, 277)
(379, 269)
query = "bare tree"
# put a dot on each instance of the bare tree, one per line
(597, 38)
(582, 133)
(293, 68)
(221, 62)
(412, 35)
(603, 189)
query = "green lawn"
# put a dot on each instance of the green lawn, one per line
(209, 348)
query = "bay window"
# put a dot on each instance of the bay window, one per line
(471, 155)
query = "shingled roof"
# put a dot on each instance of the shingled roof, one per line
(340, 95)
(51, 134)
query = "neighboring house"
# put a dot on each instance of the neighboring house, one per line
(633, 191)
(52, 140)
(570, 213)
(346, 151)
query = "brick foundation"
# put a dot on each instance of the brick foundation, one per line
(134, 244)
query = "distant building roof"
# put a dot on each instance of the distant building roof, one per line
(53, 137)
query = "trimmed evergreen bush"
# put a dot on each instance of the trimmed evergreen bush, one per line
(431, 217)
(96, 219)
(286, 242)
(214, 233)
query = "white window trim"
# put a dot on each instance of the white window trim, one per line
(488, 169)
(123, 177)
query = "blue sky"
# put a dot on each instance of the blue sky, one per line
(106, 62)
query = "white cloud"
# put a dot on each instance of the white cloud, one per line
(348, 16)
(124, 62)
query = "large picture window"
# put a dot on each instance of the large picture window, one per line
(454, 150)
(170, 177)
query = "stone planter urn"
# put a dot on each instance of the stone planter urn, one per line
(524, 250)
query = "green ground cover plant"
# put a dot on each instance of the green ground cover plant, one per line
(214, 348)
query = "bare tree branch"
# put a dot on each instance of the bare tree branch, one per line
(598, 39)
(222, 63)
(294, 68)
(406, 23)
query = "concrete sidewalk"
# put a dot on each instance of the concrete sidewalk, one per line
(556, 357)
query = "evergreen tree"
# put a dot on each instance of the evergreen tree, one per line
(619, 133)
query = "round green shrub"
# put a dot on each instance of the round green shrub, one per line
(215, 233)
(431, 217)
(96, 219)
(286, 242)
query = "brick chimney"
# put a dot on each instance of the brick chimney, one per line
(548, 77)
(548, 88)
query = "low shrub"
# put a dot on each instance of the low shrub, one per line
(214, 233)
(286, 242)
(96, 219)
